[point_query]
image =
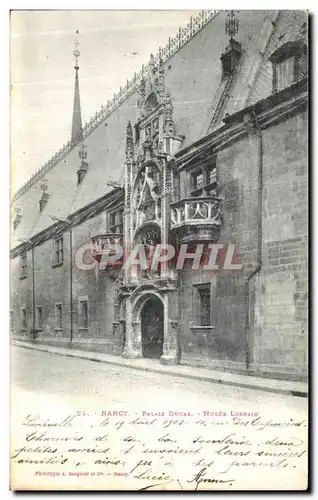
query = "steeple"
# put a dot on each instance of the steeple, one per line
(77, 130)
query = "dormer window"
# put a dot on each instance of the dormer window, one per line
(80, 175)
(289, 64)
(45, 196)
(18, 217)
(82, 171)
(43, 201)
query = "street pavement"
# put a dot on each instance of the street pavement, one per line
(41, 375)
(156, 415)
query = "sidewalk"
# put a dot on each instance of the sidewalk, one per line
(290, 388)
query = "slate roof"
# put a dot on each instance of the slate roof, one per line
(193, 77)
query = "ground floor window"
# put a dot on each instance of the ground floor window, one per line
(24, 318)
(202, 305)
(83, 313)
(59, 316)
(39, 317)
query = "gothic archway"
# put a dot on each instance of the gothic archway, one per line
(152, 328)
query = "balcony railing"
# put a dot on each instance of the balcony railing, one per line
(193, 210)
(196, 218)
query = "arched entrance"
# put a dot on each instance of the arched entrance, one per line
(152, 328)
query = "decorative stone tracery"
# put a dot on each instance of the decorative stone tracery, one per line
(150, 144)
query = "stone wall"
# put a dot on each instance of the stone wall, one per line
(52, 286)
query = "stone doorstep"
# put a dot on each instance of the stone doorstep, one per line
(290, 388)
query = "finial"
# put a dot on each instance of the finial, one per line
(76, 51)
(231, 24)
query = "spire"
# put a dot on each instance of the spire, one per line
(77, 131)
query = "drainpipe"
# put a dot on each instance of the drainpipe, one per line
(71, 286)
(257, 268)
(33, 296)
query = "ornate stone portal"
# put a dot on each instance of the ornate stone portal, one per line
(148, 190)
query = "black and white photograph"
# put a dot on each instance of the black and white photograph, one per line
(159, 250)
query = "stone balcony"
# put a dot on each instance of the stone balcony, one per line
(107, 243)
(196, 219)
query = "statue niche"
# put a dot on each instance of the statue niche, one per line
(147, 195)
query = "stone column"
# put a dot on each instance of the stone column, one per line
(133, 347)
(170, 344)
(165, 214)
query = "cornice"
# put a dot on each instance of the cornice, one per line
(275, 108)
(113, 199)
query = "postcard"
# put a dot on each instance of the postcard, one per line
(159, 241)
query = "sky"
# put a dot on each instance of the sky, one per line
(113, 45)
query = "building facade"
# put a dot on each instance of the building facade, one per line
(206, 146)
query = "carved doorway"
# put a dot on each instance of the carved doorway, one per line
(152, 328)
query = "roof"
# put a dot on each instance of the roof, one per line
(193, 76)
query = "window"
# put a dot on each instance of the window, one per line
(197, 180)
(58, 250)
(116, 222)
(289, 64)
(284, 74)
(24, 318)
(83, 313)
(43, 201)
(80, 176)
(59, 316)
(205, 307)
(39, 317)
(203, 180)
(202, 305)
(24, 266)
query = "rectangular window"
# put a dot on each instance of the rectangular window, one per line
(205, 306)
(24, 265)
(58, 250)
(202, 305)
(211, 174)
(203, 180)
(112, 219)
(24, 318)
(197, 180)
(83, 313)
(59, 316)
(116, 222)
(39, 317)
(284, 73)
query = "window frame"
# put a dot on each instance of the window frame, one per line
(116, 221)
(81, 325)
(24, 318)
(39, 324)
(58, 316)
(58, 251)
(23, 265)
(206, 169)
(295, 51)
(198, 315)
(280, 82)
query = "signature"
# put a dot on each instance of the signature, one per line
(200, 478)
